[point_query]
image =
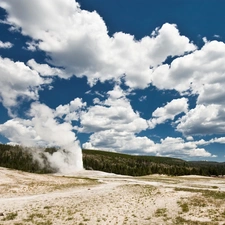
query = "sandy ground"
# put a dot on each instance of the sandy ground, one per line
(92, 197)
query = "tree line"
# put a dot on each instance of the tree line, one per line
(22, 158)
(145, 165)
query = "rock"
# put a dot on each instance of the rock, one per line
(1, 214)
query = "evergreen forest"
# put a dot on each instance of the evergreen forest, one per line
(23, 158)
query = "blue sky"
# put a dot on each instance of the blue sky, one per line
(139, 77)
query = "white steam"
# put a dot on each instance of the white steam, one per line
(69, 157)
(66, 160)
(43, 129)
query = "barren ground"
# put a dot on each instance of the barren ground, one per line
(92, 197)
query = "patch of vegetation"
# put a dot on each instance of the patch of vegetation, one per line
(181, 221)
(199, 201)
(214, 194)
(37, 219)
(34, 216)
(184, 206)
(48, 222)
(10, 216)
(215, 187)
(205, 193)
(161, 212)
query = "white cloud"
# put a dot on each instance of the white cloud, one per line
(115, 126)
(70, 111)
(42, 128)
(166, 38)
(20, 132)
(123, 141)
(116, 93)
(189, 138)
(127, 142)
(200, 73)
(168, 112)
(203, 120)
(177, 147)
(45, 69)
(5, 44)
(31, 46)
(47, 128)
(78, 41)
(18, 80)
(216, 36)
(195, 71)
(220, 140)
(143, 98)
(114, 113)
(212, 93)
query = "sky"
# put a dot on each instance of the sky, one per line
(136, 77)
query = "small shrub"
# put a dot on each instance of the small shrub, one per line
(161, 212)
(184, 207)
(10, 216)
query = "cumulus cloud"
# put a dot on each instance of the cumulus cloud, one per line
(220, 140)
(31, 46)
(203, 120)
(71, 111)
(120, 142)
(18, 80)
(114, 113)
(5, 44)
(170, 147)
(168, 112)
(45, 69)
(78, 41)
(115, 126)
(43, 129)
(177, 147)
(212, 93)
(46, 126)
(20, 131)
(198, 72)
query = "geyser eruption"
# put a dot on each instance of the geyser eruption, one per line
(43, 129)
(68, 158)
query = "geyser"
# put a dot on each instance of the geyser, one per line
(67, 159)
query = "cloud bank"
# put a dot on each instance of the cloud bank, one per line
(78, 41)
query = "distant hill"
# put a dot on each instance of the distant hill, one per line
(21, 158)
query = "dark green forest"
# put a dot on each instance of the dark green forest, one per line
(22, 158)
(145, 165)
